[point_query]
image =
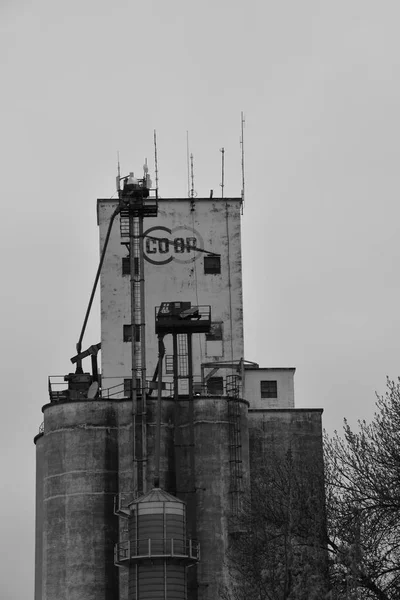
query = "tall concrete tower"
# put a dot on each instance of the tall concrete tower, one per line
(192, 252)
(140, 468)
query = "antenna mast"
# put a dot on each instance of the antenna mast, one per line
(119, 174)
(187, 163)
(192, 176)
(155, 159)
(242, 146)
(223, 170)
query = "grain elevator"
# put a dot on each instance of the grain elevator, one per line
(142, 461)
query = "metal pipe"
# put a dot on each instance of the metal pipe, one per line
(177, 437)
(142, 349)
(175, 365)
(191, 413)
(95, 370)
(161, 353)
(96, 280)
(133, 353)
(192, 486)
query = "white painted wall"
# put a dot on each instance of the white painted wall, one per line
(215, 223)
(285, 385)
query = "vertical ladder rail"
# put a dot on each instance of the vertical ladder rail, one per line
(130, 218)
(192, 484)
(143, 349)
(235, 454)
(177, 431)
(138, 350)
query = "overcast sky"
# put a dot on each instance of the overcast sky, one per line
(319, 84)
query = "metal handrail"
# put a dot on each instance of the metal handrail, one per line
(117, 389)
(204, 311)
(231, 386)
(157, 548)
(52, 384)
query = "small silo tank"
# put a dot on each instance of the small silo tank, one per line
(159, 551)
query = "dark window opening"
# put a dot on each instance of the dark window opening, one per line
(197, 388)
(128, 333)
(215, 386)
(128, 386)
(212, 265)
(215, 332)
(126, 265)
(269, 389)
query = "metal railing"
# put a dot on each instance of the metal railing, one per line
(54, 386)
(230, 385)
(112, 391)
(157, 548)
(202, 313)
(173, 317)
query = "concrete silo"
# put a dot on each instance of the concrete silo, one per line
(79, 473)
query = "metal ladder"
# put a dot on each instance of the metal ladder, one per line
(235, 454)
(131, 229)
(124, 225)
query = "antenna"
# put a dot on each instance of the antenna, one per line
(187, 163)
(242, 146)
(119, 174)
(222, 170)
(155, 159)
(192, 176)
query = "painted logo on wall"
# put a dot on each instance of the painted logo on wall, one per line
(163, 245)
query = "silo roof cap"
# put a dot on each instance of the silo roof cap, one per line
(157, 495)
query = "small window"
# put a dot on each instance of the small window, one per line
(212, 265)
(215, 386)
(126, 265)
(214, 343)
(215, 333)
(127, 387)
(128, 333)
(269, 389)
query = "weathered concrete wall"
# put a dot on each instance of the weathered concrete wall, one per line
(173, 273)
(39, 442)
(167, 457)
(126, 486)
(211, 501)
(126, 489)
(285, 385)
(80, 482)
(278, 430)
(273, 433)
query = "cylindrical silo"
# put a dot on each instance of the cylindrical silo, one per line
(158, 552)
(38, 441)
(79, 484)
(215, 448)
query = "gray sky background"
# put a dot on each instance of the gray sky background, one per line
(319, 84)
